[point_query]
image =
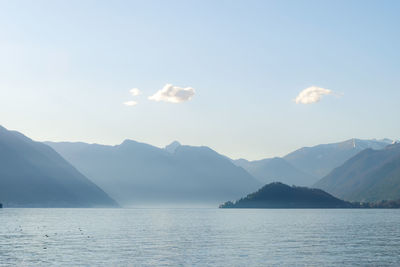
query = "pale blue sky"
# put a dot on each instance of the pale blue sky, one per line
(66, 67)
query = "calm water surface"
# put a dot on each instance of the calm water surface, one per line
(199, 237)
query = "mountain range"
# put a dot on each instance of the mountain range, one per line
(319, 160)
(33, 174)
(371, 175)
(66, 174)
(135, 173)
(305, 166)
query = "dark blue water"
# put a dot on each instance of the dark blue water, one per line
(199, 237)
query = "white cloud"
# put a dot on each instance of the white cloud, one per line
(135, 92)
(311, 95)
(173, 94)
(130, 103)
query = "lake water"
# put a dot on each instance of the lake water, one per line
(199, 237)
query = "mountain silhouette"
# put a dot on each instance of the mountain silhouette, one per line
(371, 175)
(319, 160)
(136, 173)
(32, 174)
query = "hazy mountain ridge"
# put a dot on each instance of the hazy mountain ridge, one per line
(371, 175)
(144, 173)
(135, 173)
(305, 166)
(33, 174)
(319, 160)
(276, 169)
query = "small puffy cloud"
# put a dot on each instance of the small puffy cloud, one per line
(130, 103)
(135, 92)
(311, 95)
(173, 94)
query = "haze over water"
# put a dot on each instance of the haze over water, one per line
(134, 106)
(199, 237)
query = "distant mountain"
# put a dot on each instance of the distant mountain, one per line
(276, 169)
(371, 175)
(319, 160)
(278, 195)
(32, 174)
(135, 173)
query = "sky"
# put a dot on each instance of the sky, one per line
(250, 79)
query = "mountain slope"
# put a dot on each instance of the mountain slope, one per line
(321, 159)
(276, 169)
(371, 175)
(135, 173)
(278, 195)
(33, 174)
